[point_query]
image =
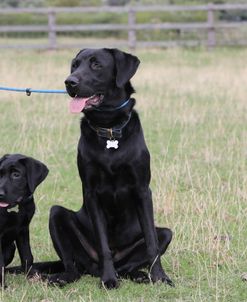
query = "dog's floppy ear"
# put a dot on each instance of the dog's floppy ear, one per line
(126, 66)
(36, 172)
(73, 60)
(3, 158)
(80, 52)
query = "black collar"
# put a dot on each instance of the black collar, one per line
(15, 207)
(110, 133)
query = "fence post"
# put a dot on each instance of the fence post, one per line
(211, 29)
(132, 31)
(52, 31)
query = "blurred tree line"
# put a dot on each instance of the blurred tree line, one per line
(222, 15)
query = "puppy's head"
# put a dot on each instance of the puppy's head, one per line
(19, 177)
(96, 73)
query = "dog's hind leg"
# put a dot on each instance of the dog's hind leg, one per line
(164, 238)
(71, 246)
(146, 219)
(137, 258)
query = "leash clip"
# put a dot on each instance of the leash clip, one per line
(111, 134)
(28, 91)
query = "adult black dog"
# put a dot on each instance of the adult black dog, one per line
(19, 177)
(113, 234)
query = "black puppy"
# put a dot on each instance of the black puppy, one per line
(113, 234)
(19, 176)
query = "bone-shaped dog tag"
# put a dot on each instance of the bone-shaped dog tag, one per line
(14, 209)
(112, 144)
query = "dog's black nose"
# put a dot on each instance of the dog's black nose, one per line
(71, 81)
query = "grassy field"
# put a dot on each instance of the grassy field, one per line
(193, 107)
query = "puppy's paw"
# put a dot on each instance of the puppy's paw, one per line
(14, 270)
(60, 279)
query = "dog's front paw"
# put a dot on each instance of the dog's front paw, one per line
(110, 283)
(109, 277)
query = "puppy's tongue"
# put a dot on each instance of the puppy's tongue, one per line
(77, 104)
(3, 204)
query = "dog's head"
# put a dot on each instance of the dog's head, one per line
(98, 73)
(19, 177)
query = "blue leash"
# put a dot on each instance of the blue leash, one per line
(28, 91)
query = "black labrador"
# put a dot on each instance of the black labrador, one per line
(19, 177)
(113, 234)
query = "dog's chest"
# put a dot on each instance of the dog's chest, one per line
(115, 190)
(116, 176)
(12, 222)
(117, 205)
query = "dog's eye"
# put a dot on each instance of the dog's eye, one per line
(95, 65)
(74, 64)
(15, 175)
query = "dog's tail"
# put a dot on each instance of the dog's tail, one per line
(49, 267)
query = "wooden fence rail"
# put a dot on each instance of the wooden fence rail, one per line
(132, 27)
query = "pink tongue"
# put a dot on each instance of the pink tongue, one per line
(77, 104)
(3, 205)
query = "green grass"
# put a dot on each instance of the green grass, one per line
(193, 109)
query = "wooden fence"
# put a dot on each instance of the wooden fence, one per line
(132, 27)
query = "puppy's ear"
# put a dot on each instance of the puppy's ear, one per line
(4, 157)
(36, 172)
(126, 66)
